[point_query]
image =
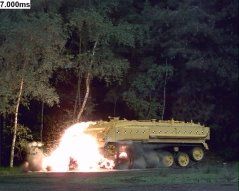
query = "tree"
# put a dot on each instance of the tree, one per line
(200, 40)
(145, 96)
(113, 96)
(145, 93)
(28, 62)
(148, 59)
(95, 35)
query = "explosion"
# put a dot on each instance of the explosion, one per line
(78, 149)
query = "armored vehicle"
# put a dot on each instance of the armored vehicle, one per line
(151, 143)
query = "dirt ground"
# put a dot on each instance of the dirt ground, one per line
(192, 179)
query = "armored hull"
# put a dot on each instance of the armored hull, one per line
(161, 142)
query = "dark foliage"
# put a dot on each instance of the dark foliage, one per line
(154, 59)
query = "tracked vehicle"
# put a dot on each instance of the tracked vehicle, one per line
(151, 143)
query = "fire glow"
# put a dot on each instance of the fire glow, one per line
(75, 145)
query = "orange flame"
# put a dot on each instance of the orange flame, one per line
(80, 147)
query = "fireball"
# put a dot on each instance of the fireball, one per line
(77, 150)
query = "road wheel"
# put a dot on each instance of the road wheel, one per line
(139, 163)
(152, 159)
(197, 153)
(124, 164)
(166, 159)
(183, 159)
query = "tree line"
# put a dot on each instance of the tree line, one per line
(67, 61)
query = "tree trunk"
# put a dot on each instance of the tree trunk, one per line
(164, 99)
(42, 120)
(4, 126)
(1, 129)
(77, 98)
(15, 123)
(115, 102)
(1, 132)
(149, 108)
(164, 92)
(87, 85)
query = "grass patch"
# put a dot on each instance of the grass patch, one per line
(208, 174)
(5, 171)
(205, 175)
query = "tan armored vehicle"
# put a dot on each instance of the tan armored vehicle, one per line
(151, 143)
